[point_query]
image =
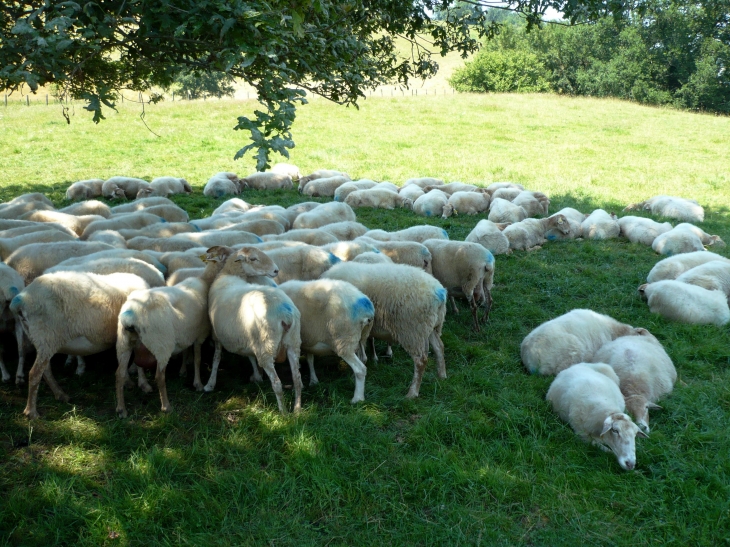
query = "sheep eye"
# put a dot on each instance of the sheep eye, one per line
(254, 259)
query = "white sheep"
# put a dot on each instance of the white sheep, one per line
(84, 189)
(222, 184)
(140, 205)
(69, 312)
(372, 258)
(422, 182)
(410, 253)
(287, 169)
(9, 245)
(170, 213)
(32, 260)
(570, 338)
(600, 225)
(127, 221)
(452, 187)
(587, 396)
(350, 186)
(236, 205)
(501, 210)
(161, 244)
(320, 174)
(327, 213)
(531, 233)
(301, 262)
(642, 230)
(687, 210)
(713, 276)
(345, 231)
(260, 227)
(686, 303)
(466, 203)
(489, 235)
(268, 181)
(380, 198)
(110, 237)
(160, 229)
(10, 285)
(184, 241)
(431, 204)
(310, 236)
(12, 211)
(645, 371)
(466, 266)
(575, 222)
(88, 207)
(419, 234)
(77, 224)
(336, 319)
(254, 320)
(674, 266)
(534, 203)
(108, 252)
(325, 187)
(165, 186)
(411, 191)
(112, 264)
(130, 186)
(293, 211)
(34, 227)
(410, 307)
(684, 238)
(348, 250)
(497, 185)
(506, 193)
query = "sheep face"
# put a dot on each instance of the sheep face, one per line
(642, 291)
(449, 210)
(254, 262)
(145, 192)
(619, 434)
(408, 203)
(561, 223)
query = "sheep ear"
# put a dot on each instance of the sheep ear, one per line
(640, 331)
(653, 406)
(641, 434)
(607, 423)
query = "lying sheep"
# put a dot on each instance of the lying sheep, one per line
(77, 224)
(422, 182)
(684, 238)
(127, 221)
(260, 227)
(320, 174)
(345, 231)
(410, 253)
(170, 213)
(570, 338)
(531, 233)
(350, 186)
(10, 285)
(270, 212)
(209, 239)
(130, 186)
(254, 320)
(161, 244)
(466, 203)
(302, 262)
(372, 258)
(506, 193)
(84, 189)
(9, 245)
(410, 307)
(160, 229)
(645, 371)
(110, 253)
(310, 236)
(686, 210)
(327, 213)
(600, 225)
(378, 198)
(419, 234)
(324, 187)
(222, 184)
(686, 303)
(110, 237)
(12, 211)
(587, 396)
(32, 260)
(713, 276)
(32, 197)
(165, 186)
(348, 250)
(575, 222)
(497, 185)
(452, 187)
(642, 230)
(501, 210)
(489, 235)
(431, 204)
(293, 211)
(534, 203)
(268, 181)
(466, 266)
(69, 312)
(411, 191)
(287, 169)
(140, 205)
(88, 207)
(674, 266)
(336, 319)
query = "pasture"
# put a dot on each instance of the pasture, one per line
(479, 458)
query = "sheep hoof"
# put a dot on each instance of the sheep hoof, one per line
(63, 398)
(208, 389)
(6, 377)
(313, 381)
(357, 400)
(198, 387)
(146, 388)
(121, 413)
(19, 380)
(256, 378)
(32, 414)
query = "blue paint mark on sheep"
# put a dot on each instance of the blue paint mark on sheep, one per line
(441, 294)
(16, 302)
(14, 291)
(428, 213)
(362, 307)
(551, 237)
(162, 219)
(445, 233)
(286, 307)
(197, 228)
(490, 258)
(334, 259)
(259, 240)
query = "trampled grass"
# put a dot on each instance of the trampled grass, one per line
(479, 458)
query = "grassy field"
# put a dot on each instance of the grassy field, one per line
(479, 458)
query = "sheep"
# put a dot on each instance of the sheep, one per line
(88, 207)
(13, 211)
(10, 285)
(33, 197)
(468, 266)
(111, 237)
(130, 186)
(497, 185)
(452, 187)
(271, 212)
(419, 234)
(185, 241)
(33, 259)
(350, 186)
(600, 225)
(216, 222)
(160, 229)
(713, 276)
(642, 230)
(268, 181)
(119, 222)
(686, 210)
(575, 221)
(531, 233)
(287, 169)
(254, 320)
(324, 187)
(534, 203)
(686, 303)
(171, 213)
(260, 227)
(35, 227)
(12, 224)
(372, 258)
(165, 321)
(345, 231)
(111, 253)
(327, 213)
(422, 182)
(165, 186)
(431, 204)
(489, 235)
(674, 266)
(570, 338)
(501, 210)
(506, 193)
(587, 396)
(9, 245)
(84, 189)
(320, 174)
(293, 211)
(348, 250)
(140, 205)
(69, 312)
(466, 203)
(378, 198)
(645, 372)
(411, 191)
(336, 319)
(684, 238)
(77, 224)
(108, 265)
(221, 185)
(181, 260)
(310, 236)
(411, 253)
(160, 244)
(302, 262)
(410, 307)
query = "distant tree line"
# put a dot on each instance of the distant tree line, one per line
(671, 52)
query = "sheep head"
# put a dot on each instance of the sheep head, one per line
(642, 291)
(251, 261)
(560, 222)
(449, 210)
(716, 240)
(408, 203)
(619, 434)
(145, 192)
(639, 407)
(216, 254)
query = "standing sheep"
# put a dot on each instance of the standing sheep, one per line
(32, 260)
(10, 285)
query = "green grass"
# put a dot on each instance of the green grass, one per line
(479, 458)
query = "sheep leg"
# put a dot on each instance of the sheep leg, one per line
(360, 371)
(184, 365)
(419, 365)
(122, 374)
(293, 357)
(438, 349)
(19, 374)
(210, 386)
(389, 352)
(453, 305)
(142, 382)
(80, 365)
(3, 371)
(372, 344)
(34, 380)
(487, 305)
(197, 383)
(256, 376)
(161, 384)
(268, 365)
(313, 380)
(55, 388)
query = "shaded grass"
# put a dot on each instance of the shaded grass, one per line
(479, 458)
